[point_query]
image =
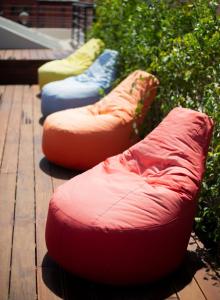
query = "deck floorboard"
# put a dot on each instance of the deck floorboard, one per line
(27, 181)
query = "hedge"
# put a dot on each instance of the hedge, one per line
(179, 42)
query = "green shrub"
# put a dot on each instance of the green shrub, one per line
(178, 41)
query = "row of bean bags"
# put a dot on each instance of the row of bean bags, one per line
(81, 90)
(128, 220)
(82, 137)
(73, 65)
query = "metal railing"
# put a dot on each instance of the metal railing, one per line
(76, 16)
(83, 16)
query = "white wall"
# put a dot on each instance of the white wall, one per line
(16, 36)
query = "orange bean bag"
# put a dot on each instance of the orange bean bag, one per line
(129, 219)
(82, 137)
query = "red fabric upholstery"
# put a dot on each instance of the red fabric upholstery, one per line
(129, 219)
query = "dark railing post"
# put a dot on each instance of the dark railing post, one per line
(38, 12)
(79, 23)
(85, 23)
(94, 13)
(82, 17)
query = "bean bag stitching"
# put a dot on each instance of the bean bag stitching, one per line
(175, 220)
(116, 202)
(123, 197)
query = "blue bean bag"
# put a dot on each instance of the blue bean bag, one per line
(83, 89)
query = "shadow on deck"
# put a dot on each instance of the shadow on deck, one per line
(20, 66)
(167, 288)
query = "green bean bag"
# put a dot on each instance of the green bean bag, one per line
(74, 64)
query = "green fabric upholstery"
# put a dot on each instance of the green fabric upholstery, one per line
(74, 64)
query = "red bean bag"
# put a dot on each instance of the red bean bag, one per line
(129, 219)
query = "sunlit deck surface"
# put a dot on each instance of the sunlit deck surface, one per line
(27, 181)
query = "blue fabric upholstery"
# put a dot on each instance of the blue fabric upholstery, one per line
(83, 89)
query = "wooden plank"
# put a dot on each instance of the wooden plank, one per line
(23, 271)
(6, 95)
(9, 54)
(205, 277)
(9, 163)
(33, 54)
(184, 282)
(7, 200)
(74, 289)
(49, 54)
(2, 54)
(8, 182)
(25, 54)
(43, 188)
(186, 286)
(42, 53)
(200, 282)
(23, 280)
(17, 54)
(29, 53)
(25, 206)
(60, 54)
(43, 183)
(210, 260)
(2, 89)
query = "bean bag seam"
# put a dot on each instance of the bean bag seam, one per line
(119, 200)
(95, 226)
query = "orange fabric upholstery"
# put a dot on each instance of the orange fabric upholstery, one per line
(82, 137)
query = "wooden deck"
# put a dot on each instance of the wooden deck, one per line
(27, 181)
(20, 66)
